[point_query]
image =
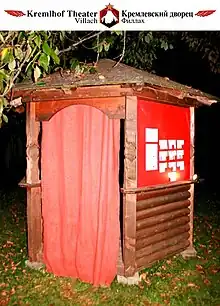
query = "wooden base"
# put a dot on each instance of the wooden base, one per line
(34, 265)
(190, 252)
(131, 280)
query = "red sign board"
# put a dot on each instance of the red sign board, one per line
(163, 142)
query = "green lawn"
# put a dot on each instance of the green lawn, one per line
(171, 282)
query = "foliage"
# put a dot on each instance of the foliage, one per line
(207, 45)
(170, 282)
(23, 54)
(32, 54)
(141, 47)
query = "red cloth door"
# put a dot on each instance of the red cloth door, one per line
(80, 194)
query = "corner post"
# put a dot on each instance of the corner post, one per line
(130, 181)
(34, 221)
(190, 251)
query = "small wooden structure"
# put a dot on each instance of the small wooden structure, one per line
(159, 125)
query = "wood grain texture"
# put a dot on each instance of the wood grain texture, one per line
(72, 93)
(162, 200)
(130, 181)
(162, 218)
(160, 187)
(159, 228)
(170, 232)
(147, 261)
(160, 209)
(34, 216)
(157, 246)
(162, 192)
(113, 107)
(192, 161)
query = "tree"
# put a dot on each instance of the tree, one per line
(142, 47)
(32, 54)
(206, 44)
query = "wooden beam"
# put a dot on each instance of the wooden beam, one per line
(34, 220)
(157, 187)
(68, 93)
(192, 162)
(112, 107)
(130, 181)
(165, 95)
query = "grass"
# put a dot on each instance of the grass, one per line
(170, 282)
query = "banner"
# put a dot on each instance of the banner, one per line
(163, 149)
(100, 15)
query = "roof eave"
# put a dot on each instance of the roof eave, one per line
(146, 91)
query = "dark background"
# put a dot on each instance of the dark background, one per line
(190, 69)
(178, 64)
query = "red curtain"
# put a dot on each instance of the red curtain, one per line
(80, 194)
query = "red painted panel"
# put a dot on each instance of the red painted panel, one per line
(163, 143)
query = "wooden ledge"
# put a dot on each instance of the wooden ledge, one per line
(24, 184)
(157, 187)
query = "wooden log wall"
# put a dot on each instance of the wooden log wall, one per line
(162, 224)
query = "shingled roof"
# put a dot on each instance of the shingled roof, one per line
(108, 72)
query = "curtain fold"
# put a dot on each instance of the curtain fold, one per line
(80, 194)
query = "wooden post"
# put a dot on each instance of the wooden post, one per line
(130, 181)
(190, 251)
(34, 222)
(192, 161)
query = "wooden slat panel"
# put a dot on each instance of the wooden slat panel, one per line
(157, 201)
(142, 243)
(155, 211)
(162, 192)
(162, 218)
(159, 246)
(158, 228)
(162, 223)
(147, 261)
(159, 188)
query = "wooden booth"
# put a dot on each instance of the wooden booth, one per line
(86, 135)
